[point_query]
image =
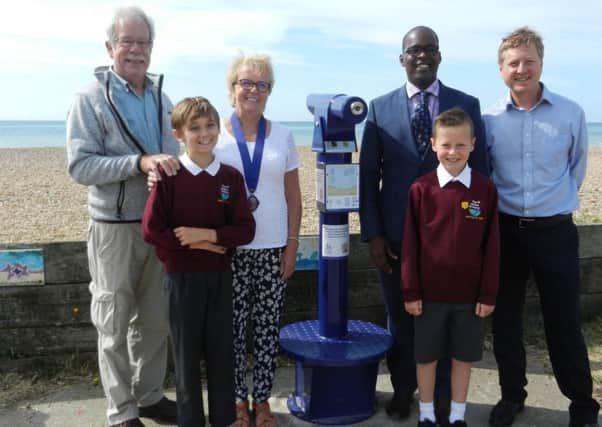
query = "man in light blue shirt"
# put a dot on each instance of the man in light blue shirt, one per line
(139, 110)
(537, 143)
(118, 130)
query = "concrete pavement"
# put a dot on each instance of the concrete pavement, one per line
(83, 405)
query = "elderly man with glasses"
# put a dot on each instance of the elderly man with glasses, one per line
(395, 151)
(118, 129)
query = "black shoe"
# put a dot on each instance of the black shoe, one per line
(399, 406)
(504, 413)
(129, 423)
(164, 410)
(594, 424)
(427, 423)
(458, 423)
(442, 406)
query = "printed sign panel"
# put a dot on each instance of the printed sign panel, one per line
(307, 253)
(337, 187)
(335, 241)
(342, 187)
(21, 267)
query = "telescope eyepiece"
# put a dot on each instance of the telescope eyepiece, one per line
(357, 108)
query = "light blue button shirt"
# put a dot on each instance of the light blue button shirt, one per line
(538, 156)
(414, 98)
(140, 112)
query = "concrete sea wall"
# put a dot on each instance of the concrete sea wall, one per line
(54, 318)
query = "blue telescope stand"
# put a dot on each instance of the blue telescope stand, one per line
(336, 359)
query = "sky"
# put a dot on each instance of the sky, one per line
(50, 48)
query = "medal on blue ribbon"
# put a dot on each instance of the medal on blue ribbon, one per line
(251, 167)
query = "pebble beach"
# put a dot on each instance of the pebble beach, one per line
(40, 203)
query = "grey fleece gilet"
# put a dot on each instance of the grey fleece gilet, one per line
(103, 153)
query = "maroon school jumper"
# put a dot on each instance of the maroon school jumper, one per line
(450, 250)
(218, 202)
(199, 286)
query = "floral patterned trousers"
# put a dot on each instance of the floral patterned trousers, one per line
(258, 296)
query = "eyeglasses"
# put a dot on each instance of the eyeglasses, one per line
(427, 50)
(261, 86)
(128, 43)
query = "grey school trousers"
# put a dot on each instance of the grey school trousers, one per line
(129, 311)
(200, 321)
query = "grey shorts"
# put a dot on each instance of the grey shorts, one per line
(446, 329)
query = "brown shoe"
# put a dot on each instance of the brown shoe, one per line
(242, 414)
(164, 410)
(135, 422)
(263, 415)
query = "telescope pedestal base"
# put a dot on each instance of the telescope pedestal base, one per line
(335, 378)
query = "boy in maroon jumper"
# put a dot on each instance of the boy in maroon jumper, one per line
(450, 263)
(191, 218)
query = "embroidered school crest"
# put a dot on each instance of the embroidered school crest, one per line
(473, 208)
(224, 193)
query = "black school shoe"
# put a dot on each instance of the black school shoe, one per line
(458, 423)
(399, 406)
(504, 413)
(164, 410)
(427, 423)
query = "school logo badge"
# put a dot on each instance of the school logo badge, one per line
(473, 208)
(224, 193)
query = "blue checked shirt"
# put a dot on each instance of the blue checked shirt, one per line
(538, 156)
(140, 112)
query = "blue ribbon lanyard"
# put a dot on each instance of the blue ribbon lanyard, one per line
(251, 167)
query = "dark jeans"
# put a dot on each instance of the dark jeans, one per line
(200, 322)
(400, 358)
(552, 255)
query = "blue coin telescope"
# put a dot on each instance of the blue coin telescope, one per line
(336, 359)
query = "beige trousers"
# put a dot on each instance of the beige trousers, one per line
(129, 311)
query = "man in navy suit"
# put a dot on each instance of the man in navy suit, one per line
(390, 160)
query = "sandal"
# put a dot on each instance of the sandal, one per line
(263, 415)
(242, 414)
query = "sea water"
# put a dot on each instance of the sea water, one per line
(33, 134)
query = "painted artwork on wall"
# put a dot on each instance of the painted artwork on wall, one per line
(307, 253)
(21, 267)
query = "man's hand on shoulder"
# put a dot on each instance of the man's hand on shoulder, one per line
(151, 162)
(153, 177)
(380, 252)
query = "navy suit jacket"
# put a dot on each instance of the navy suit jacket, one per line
(389, 160)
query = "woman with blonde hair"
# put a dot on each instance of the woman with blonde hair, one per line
(264, 151)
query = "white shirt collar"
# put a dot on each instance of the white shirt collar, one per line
(195, 169)
(445, 177)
